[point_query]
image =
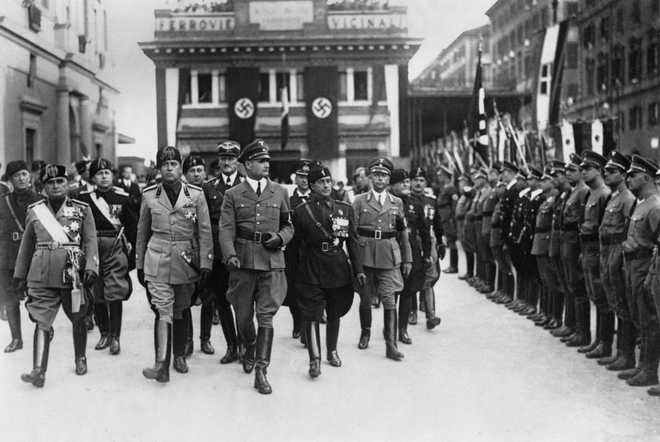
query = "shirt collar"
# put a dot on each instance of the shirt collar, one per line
(254, 183)
(231, 177)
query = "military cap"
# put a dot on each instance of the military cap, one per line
(15, 166)
(381, 165)
(304, 167)
(167, 153)
(52, 171)
(317, 172)
(398, 175)
(497, 166)
(618, 160)
(418, 172)
(98, 165)
(193, 160)
(228, 148)
(547, 173)
(574, 162)
(557, 166)
(480, 173)
(81, 166)
(446, 170)
(534, 173)
(593, 159)
(256, 150)
(643, 165)
(510, 166)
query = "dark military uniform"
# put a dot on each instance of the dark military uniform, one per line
(557, 269)
(496, 243)
(508, 205)
(541, 251)
(445, 211)
(488, 262)
(462, 207)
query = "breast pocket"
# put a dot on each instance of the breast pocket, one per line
(244, 211)
(272, 211)
(614, 215)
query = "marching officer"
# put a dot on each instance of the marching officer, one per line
(300, 195)
(445, 209)
(13, 212)
(174, 251)
(226, 178)
(324, 272)
(254, 226)
(116, 227)
(385, 253)
(59, 244)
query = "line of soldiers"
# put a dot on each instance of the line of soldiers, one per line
(555, 244)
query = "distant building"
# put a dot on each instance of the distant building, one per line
(56, 102)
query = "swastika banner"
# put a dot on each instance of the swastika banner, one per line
(243, 96)
(321, 87)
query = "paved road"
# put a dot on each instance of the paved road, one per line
(485, 374)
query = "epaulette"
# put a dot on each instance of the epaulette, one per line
(119, 191)
(148, 188)
(212, 180)
(82, 203)
(345, 203)
(536, 193)
(43, 201)
(192, 186)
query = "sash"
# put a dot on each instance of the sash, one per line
(50, 223)
(104, 208)
(16, 235)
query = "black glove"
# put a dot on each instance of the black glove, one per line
(21, 287)
(442, 251)
(89, 278)
(273, 242)
(141, 278)
(204, 277)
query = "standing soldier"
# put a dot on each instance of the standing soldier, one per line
(563, 188)
(445, 209)
(254, 226)
(496, 243)
(599, 194)
(126, 182)
(226, 178)
(300, 195)
(612, 233)
(483, 256)
(487, 208)
(462, 207)
(325, 276)
(507, 205)
(385, 253)
(638, 255)
(116, 226)
(58, 245)
(174, 251)
(13, 211)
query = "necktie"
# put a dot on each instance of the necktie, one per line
(258, 188)
(229, 181)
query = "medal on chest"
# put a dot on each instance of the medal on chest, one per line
(189, 212)
(339, 225)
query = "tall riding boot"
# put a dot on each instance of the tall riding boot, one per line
(404, 312)
(606, 332)
(626, 337)
(365, 325)
(632, 372)
(80, 345)
(190, 332)
(469, 260)
(101, 317)
(391, 350)
(180, 331)
(297, 320)
(432, 321)
(116, 309)
(229, 330)
(649, 365)
(586, 321)
(582, 335)
(14, 320)
(263, 350)
(205, 324)
(313, 339)
(453, 262)
(607, 360)
(331, 338)
(161, 369)
(41, 345)
(250, 342)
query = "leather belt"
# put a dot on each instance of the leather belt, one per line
(639, 254)
(173, 238)
(325, 246)
(589, 237)
(610, 240)
(106, 234)
(52, 245)
(569, 227)
(258, 237)
(375, 234)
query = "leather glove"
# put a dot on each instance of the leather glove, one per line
(89, 278)
(141, 280)
(361, 279)
(21, 287)
(405, 269)
(233, 263)
(442, 251)
(273, 242)
(204, 277)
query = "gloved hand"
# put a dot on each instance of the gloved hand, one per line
(204, 277)
(442, 251)
(89, 278)
(273, 242)
(233, 263)
(406, 267)
(141, 280)
(21, 287)
(361, 279)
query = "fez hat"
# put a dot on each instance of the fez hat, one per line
(317, 172)
(418, 172)
(100, 164)
(52, 171)
(398, 175)
(193, 160)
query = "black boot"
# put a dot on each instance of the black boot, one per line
(365, 325)
(116, 311)
(205, 324)
(163, 345)
(180, 332)
(331, 338)
(311, 330)
(297, 321)
(41, 345)
(263, 349)
(391, 350)
(453, 262)
(80, 345)
(14, 320)
(189, 346)
(229, 330)
(648, 374)
(404, 311)
(606, 336)
(102, 320)
(625, 359)
(432, 321)
(250, 349)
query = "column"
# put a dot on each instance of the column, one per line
(215, 87)
(86, 147)
(293, 86)
(63, 131)
(272, 86)
(194, 87)
(172, 100)
(350, 85)
(392, 88)
(161, 108)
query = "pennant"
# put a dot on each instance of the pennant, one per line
(568, 140)
(243, 96)
(284, 128)
(597, 136)
(478, 109)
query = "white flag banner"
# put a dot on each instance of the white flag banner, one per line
(597, 136)
(567, 139)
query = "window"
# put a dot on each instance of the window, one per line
(618, 77)
(282, 80)
(30, 144)
(654, 114)
(588, 36)
(589, 76)
(620, 123)
(605, 28)
(343, 89)
(636, 11)
(653, 56)
(222, 88)
(264, 87)
(360, 85)
(601, 72)
(571, 55)
(300, 87)
(635, 117)
(635, 60)
(32, 70)
(204, 88)
(619, 20)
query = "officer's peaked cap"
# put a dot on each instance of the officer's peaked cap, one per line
(256, 150)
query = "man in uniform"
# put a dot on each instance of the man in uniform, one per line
(488, 206)
(174, 251)
(58, 245)
(599, 194)
(325, 274)
(116, 226)
(300, 195)
(563, 188)
(638, 256)
(484, 283)
(80, 182)
(227, 177)
(385, 253)
(129, 186)
(463, 205)
(445, 208)
(254, 226)
(496, 243)
(13, 211)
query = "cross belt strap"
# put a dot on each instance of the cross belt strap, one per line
(15, 236)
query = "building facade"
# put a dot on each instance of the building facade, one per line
(56, 102)
(225, 71)
(619, 65)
